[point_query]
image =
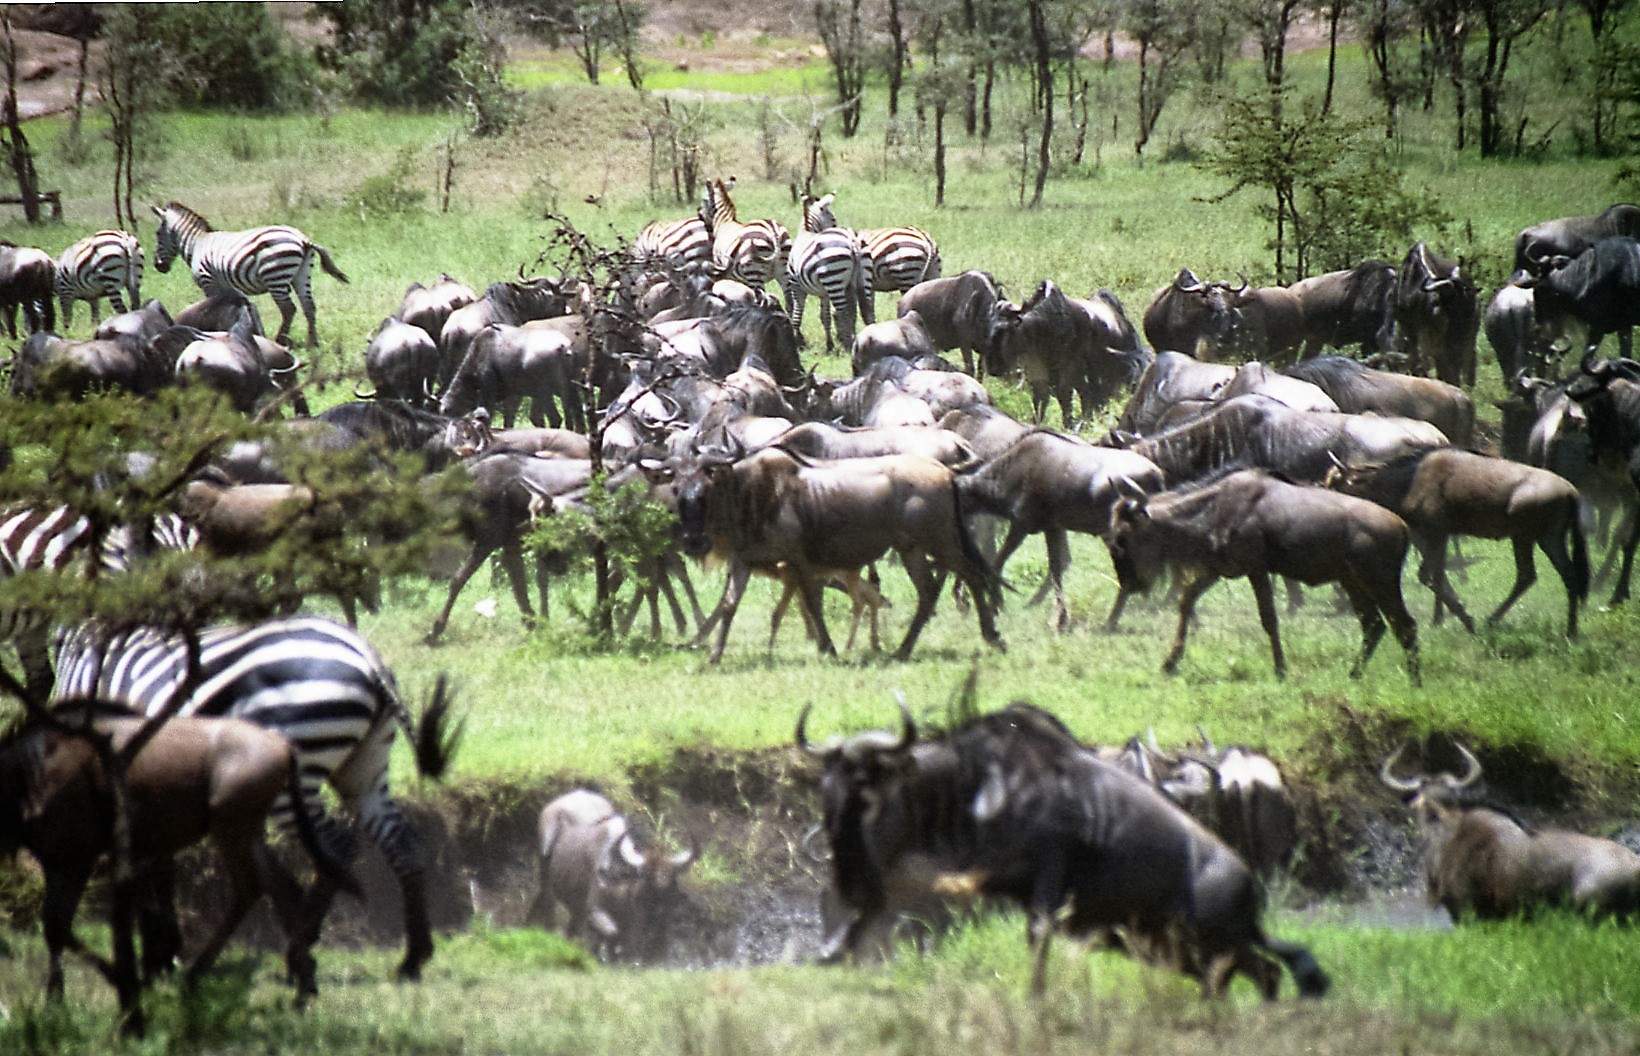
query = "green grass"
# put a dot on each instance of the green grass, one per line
(544, 709)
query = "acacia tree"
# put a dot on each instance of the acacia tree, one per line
(15, 143)
(133, 90)
(1163, 31)
(840, 25)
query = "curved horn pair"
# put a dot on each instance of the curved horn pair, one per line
(1472, 773)
(908, 731)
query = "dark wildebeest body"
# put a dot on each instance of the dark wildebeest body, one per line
(430, 307)
(619, 895)
(511, 303)
(1266, 323)
(1609, 395)
(771, 510)
(1171, 378)
(401, 363)
(906, 336)
(1249, 523)
(1481, 860)
(1537, 246)
(1063, 350)
(1053, 484)
(1448, 491)
(1437, 315)
(1597, 292)
(50, 367)
(230, 362)
(1257, 432)
(139, 324)
(1518, 342)
(196, 778)
(221, 310)
(988, 431)
(958, 311)
(1351, 307)
(1010, 805)
(1360, 389)
(1189, 316)
(821, 441)
(497, 516)
(505, 365)
(1254, 377)
(28, 280)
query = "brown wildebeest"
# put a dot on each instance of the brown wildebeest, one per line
(1482, 860)
(620, 896)
(1447, 491)
(196, 778)
(1250, 523)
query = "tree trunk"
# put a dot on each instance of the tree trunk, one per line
(1334, 10)
(1045, 94)
(939, 151)
(897, 60)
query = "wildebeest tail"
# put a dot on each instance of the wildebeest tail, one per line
(436, 737)
(988, 579)
(1311, 980)
(328, 861)
(1579, 584)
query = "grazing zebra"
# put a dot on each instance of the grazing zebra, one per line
(273, 260)
(34, 539)
(753, 253)
(325, 690)
(101, 265)
(900, 257)
(827, 261)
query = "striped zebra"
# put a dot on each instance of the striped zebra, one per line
(325, 690)
(827, 261)
(273, 260)
(100, 265)
(36, 539)
(675, 245)
(901, 257)
(752, 253)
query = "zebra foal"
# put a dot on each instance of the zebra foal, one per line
(274, 260)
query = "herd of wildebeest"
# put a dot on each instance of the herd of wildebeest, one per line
(1241, 451)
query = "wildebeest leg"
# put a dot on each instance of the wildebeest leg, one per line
(1621, 593)
(810, 590)
(739, 572)
(928, 585)
(1115, 616)
(64, 886)
(512, 563)
(1525, 576)
(1260, 582)
(1059, 559)
(1374, 604)
(474, 559)
(240, 862)
(282, 889)
(1432, 574)
(1187, 608)
(157, 919)
(1573, 568)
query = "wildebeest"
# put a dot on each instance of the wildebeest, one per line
(139, 324)
(1360, 389)
(51, 367)
(1437, 315)
(1258, 432)
(429, 307)
(1170, 379)
(1591, 295)
(1054, 484)
(1189, 316)
(1062, 351)
(773, 508)
(1482, 860)
(401, 363)
(988, 431)
(819, 440)
(905, 336)
(511, 303)
(1608, 392)
(506, 365)
(196, 778)
(1447, 491)
(958, 311)
(1254, 525)
(28, 280)
(221, 310)
(1521, 346)
(1266, 322)
(620, 896)
(1012, 806)
(1355, 306)
(1300, 395)
(233, 362)
(1538, 245)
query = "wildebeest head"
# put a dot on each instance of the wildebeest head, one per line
(1134, 552)
(637, 894)
(1434, 799)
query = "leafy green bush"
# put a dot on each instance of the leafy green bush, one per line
(230, 55)
(389, 193)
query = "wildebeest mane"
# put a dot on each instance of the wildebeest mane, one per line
(396, 423)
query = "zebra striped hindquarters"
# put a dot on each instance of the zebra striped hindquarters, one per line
(680, 245)
(900, 257)
(104, 264)
(321, 686)
(274, 260)
(753, 253)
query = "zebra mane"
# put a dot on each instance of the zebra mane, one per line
(178, 214)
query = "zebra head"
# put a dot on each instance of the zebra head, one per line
(179, 227)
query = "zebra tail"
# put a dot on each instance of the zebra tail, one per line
(326, 861)
(436, 735)
(329, 265)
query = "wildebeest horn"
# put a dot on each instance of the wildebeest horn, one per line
(1472, 771)
(908, 727)
(802, 736)
(630, 853)
(1587, 364)
(1400, 784)
(686, 857)
(1242, 275)
(357, 395)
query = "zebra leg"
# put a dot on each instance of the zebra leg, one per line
(287, 316)
(118, 302)
(384, 822)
